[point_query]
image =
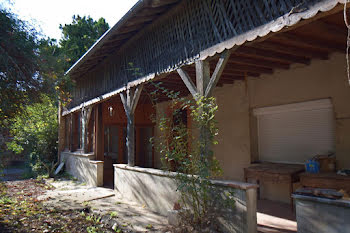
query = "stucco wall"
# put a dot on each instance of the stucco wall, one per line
(233, 150)
(84, 168)
(237, 137)
(321, 79)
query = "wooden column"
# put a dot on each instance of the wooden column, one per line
(71, 140)
(85, 118)
(205, 83)
(130, 100)
(98, 136)
(204, 87)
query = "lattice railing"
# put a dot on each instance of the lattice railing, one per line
(192, 27)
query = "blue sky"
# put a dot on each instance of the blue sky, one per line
(47, 15)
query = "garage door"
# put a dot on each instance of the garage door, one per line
(294, 133)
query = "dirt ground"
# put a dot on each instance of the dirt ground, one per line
(66, 206)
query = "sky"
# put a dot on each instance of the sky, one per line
(47, 15)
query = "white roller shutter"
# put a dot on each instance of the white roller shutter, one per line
(294, 133)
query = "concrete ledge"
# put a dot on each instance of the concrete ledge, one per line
(96, 162)
(83, 167)
(322, 215)
(339, 202)
(157, 189)
(158, 172)
(80, 154)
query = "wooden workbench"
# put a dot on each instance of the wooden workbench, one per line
(274, 172)
(328, 180)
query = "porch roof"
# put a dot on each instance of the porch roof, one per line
(275, 45)
(143, 13)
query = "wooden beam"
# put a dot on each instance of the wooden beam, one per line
(202, 76)
(332, 29)
(98, 149)
(292, 50)
(248, 68)
(86, 114)
(311, 42)
(188, 82)
(272, 55)
(217, 72)
(136, 97)
(258, 62)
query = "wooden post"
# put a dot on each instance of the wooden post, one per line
(205, 83)
(98, 148)
(130, 100)
(202, 76)
(71, 141)
(251, 204)
(204, 87)
(85, 118)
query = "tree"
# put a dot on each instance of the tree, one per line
(19, 79)
(80, 35)
(35, 131)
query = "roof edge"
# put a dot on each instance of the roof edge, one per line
(106, 35)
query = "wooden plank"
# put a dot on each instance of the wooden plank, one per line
(312, 42)
(99, 133)
(258, 62)
(292, 50)
(188, 82)
(220, 66)
(202, 76)
(272, 55)
(248, 68)
(136, 97)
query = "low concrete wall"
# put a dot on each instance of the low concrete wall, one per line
(83, 167)
(157, 190)
(321, 215)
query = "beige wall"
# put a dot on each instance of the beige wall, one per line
(233, 150)
(237, 138)
(321, 79)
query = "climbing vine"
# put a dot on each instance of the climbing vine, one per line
(188, 152)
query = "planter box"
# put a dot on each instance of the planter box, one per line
(322, 215)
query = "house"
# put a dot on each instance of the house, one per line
(276, 68)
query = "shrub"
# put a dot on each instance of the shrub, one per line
(192, 158)
(35, 134)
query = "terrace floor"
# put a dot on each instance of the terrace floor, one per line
(273, 217)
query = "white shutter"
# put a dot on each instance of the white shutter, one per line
(294, 133)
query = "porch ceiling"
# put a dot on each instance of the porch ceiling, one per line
(314, 40)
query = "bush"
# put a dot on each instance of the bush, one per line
(35, 134)
(192, 159)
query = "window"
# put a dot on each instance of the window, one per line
(293, 133)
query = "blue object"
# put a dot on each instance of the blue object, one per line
(312, 166)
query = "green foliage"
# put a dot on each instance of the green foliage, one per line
(80, 35)
(35, 132)
(191, 159)
(29, 65)
(19, 80)
(113, 214)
